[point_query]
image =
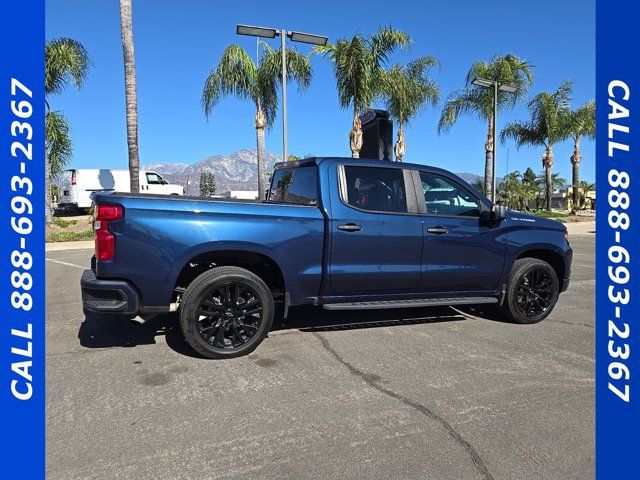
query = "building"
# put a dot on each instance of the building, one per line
(240, 194)
(563, 199)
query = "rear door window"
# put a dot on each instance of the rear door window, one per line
(295, 185)
(375, 189)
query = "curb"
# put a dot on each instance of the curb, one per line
(79, 245)
(580, 228)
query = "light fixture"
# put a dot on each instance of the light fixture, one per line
(481, 82)
(507, 88)
(265, 32)
(257, 31)
(308, 38)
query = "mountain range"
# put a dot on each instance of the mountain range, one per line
(235, 171)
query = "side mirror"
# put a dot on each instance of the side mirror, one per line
(498, 212)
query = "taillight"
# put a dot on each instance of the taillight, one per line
(105, 241)
(73, 178)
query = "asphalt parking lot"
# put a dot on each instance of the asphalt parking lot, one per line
(432, 393)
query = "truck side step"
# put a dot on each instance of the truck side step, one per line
(422, 302)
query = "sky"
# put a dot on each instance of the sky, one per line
(178, 43)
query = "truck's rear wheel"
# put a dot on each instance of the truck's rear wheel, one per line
(532, 291)
(226, 312)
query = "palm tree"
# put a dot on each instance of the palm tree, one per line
(548, 125)
(237, 74)
(358, 67)
(407, 90)
(531, 184)
(66, 61)
(585, 187)
(511, 189)
(582, 124)
(478, 185)
(507, 69)
(518, 190)
(556, 181)
(131, 95)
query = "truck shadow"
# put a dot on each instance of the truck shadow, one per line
(103, 331)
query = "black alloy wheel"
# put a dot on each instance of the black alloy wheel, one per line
(229, 315)
(532, 291)
(226, 312)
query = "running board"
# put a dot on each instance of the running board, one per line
(423, 302)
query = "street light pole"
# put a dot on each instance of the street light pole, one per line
(495, 149)
(481, 82)
(265, 32)
(283, 36)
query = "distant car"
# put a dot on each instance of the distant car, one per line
(77, 185)
(342, 234)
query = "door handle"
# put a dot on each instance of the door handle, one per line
(350, 227)
(437, 230)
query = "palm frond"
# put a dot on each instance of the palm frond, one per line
(58, 142)
(65, 61)
(236, 74)
(478, 69)
(583, 121)
(551, 120)
(385, 41)
(466, 100)
(523, 134)
(358, 64)
(504, 69)
(408, 89)
(298, 67)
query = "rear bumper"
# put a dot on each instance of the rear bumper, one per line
(63, 204)
(108, 296)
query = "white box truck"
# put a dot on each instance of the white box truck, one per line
(76, 186)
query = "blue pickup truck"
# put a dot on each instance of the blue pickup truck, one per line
(338, 233)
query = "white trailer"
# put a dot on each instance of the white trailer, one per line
(241, 194)
(77, 185)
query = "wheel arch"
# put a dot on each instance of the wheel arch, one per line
(549, 255)
(259, 263)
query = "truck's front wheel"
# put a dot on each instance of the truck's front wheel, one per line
(532, 291)
(226, 312)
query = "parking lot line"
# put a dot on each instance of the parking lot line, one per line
(60, 262)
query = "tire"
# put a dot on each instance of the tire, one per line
(212, 317)
(532, 291)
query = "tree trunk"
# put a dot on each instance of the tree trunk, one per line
(48, 207)
(575, 180)
(260, 123)
(547, 162)
(355, 135)
(400, 145)
(126, 23)
(488, 160)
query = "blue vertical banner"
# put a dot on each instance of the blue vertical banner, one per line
(22, 200)
(617, 246)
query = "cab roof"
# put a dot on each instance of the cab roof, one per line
(362, 162)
